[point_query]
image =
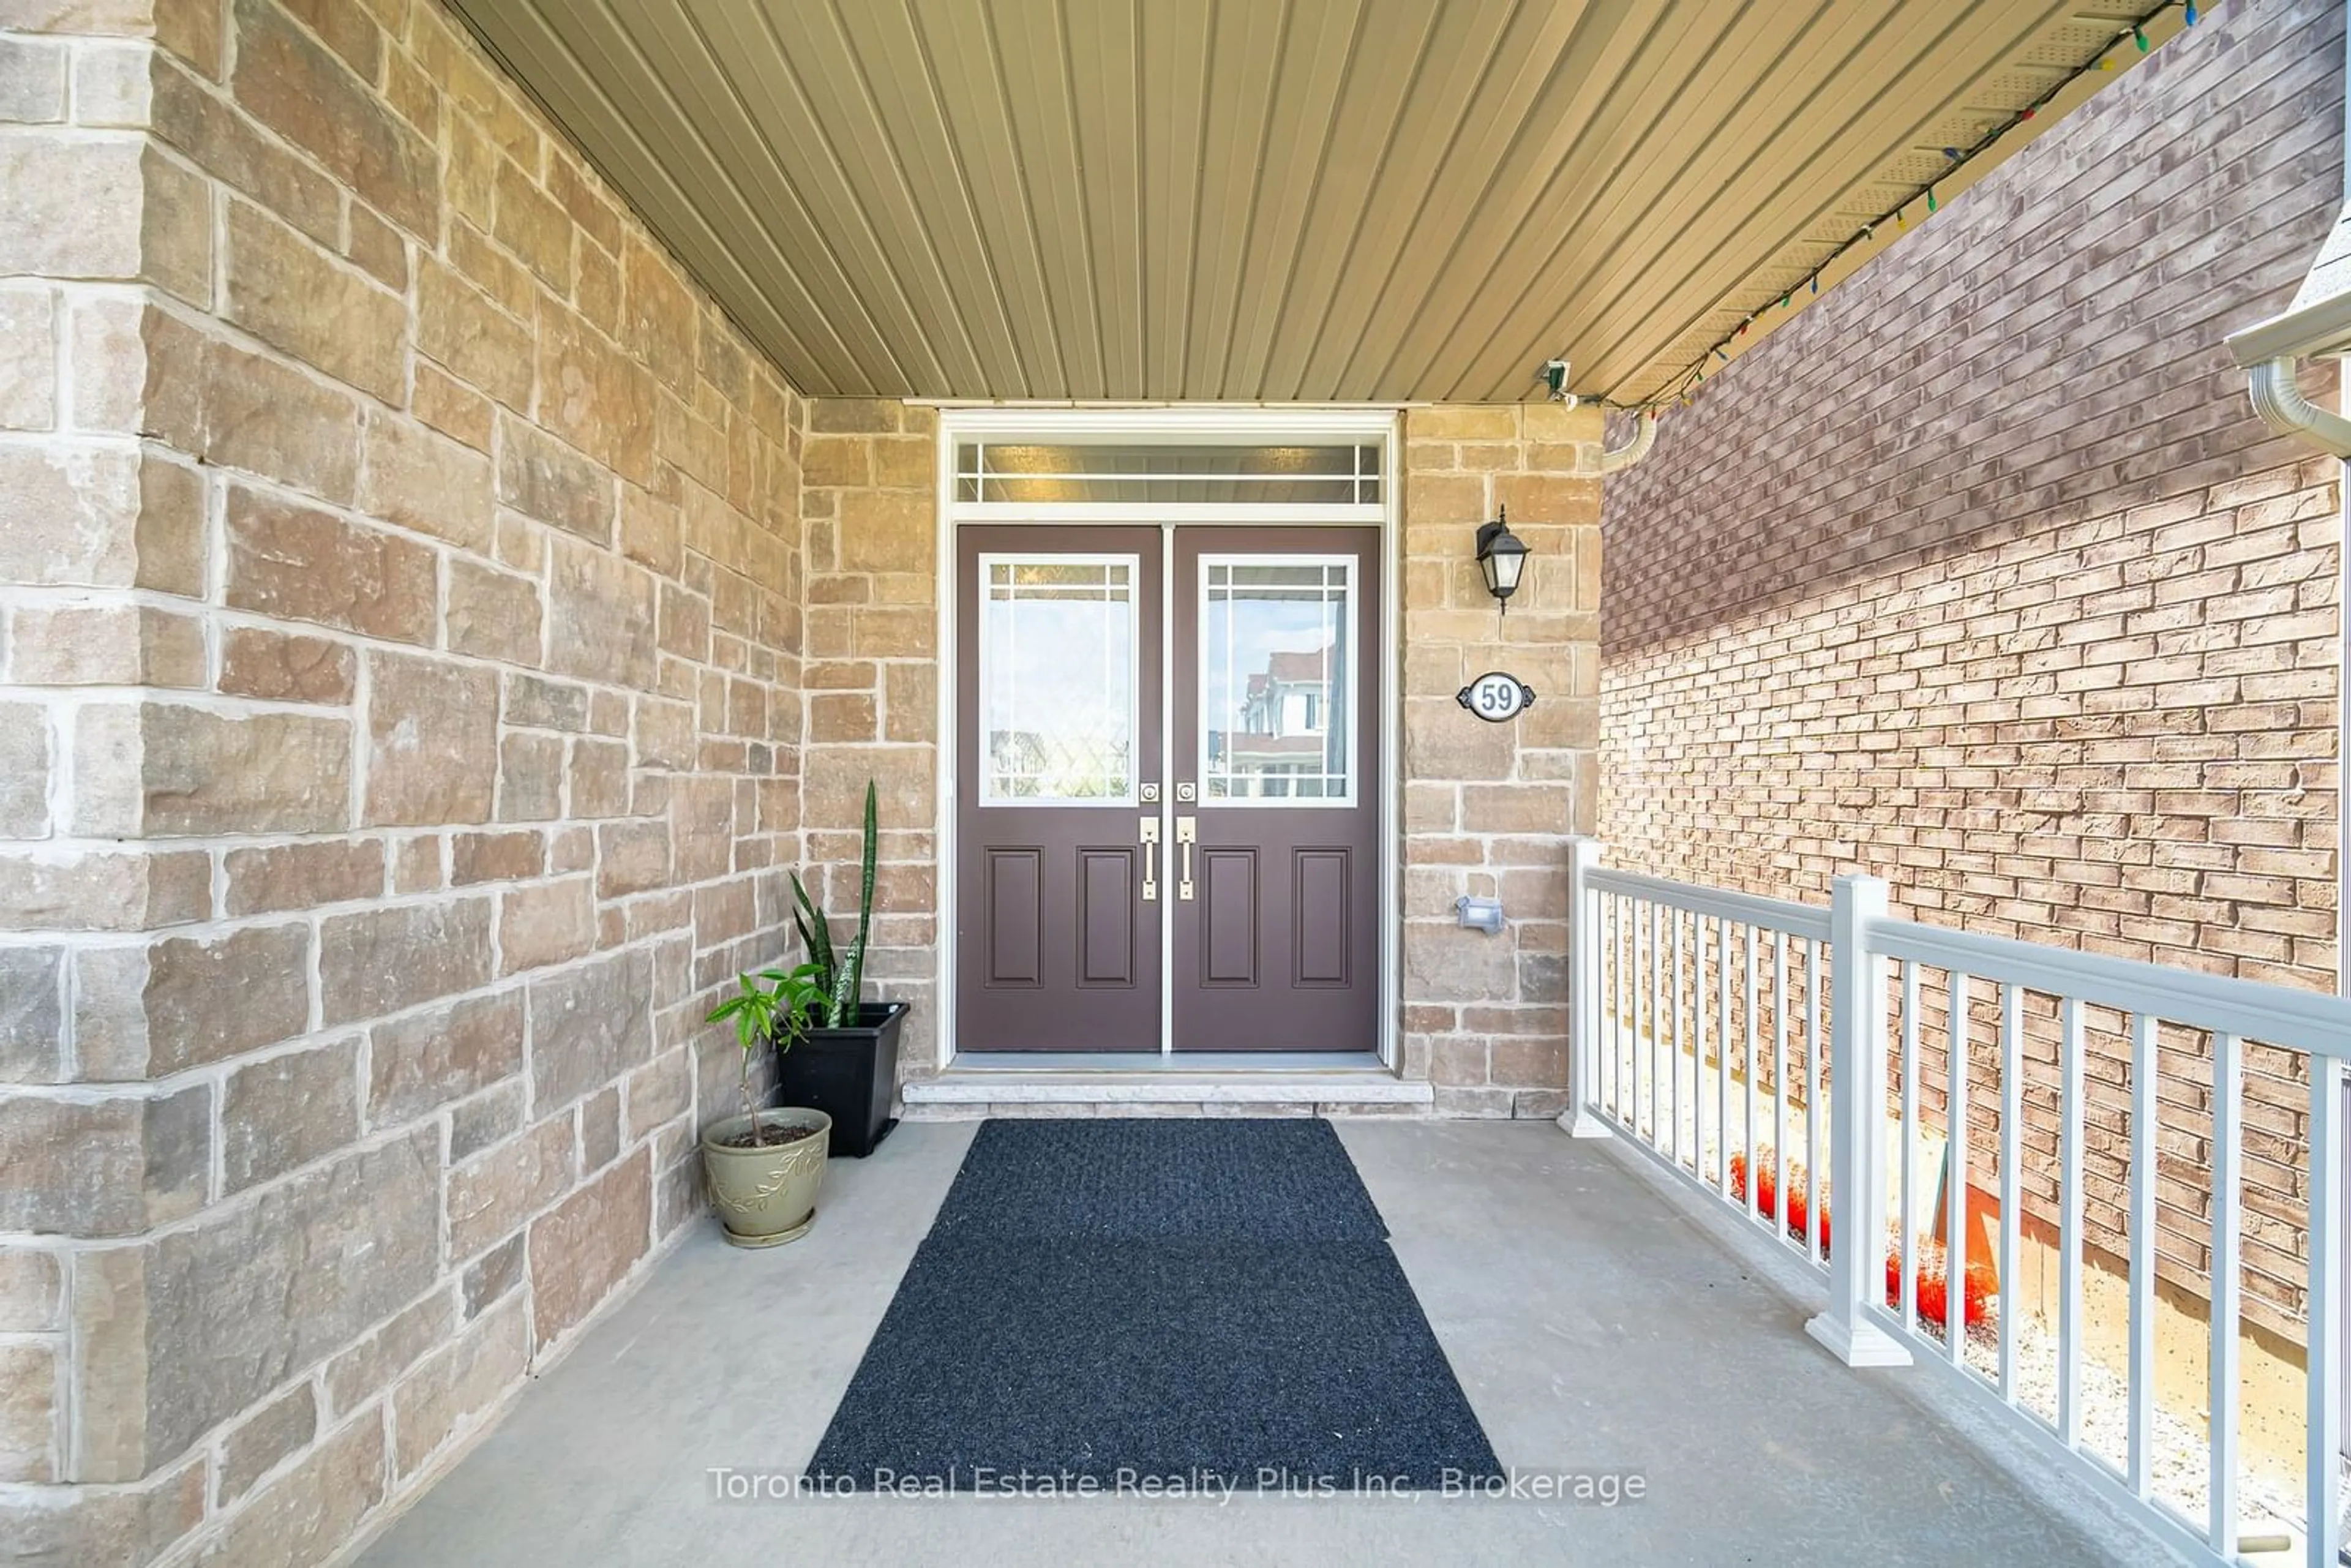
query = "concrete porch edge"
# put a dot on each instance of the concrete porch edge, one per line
(973, 1092)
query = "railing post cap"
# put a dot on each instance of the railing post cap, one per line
(1861, 888)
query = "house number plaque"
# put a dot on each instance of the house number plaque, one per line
(1496, 697)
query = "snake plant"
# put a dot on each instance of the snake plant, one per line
(840, 975)
(823, 989)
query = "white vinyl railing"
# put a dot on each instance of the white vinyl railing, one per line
(1696, 1022)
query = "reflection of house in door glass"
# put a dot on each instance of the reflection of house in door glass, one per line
(1277, 670)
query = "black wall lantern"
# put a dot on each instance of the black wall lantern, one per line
(1501, 556)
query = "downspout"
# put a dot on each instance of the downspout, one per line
(1616, 460)
(2283, 409)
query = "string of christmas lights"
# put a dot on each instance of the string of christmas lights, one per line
(1681, 388)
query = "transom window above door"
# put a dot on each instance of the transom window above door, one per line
(1336, 473)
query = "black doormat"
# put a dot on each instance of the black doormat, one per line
(1160, 1179)
(1194, 1305)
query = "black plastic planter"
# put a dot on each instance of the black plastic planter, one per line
(849, 1074)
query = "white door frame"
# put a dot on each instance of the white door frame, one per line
(1178, 425)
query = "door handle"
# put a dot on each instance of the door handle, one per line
(1186, 831)
(1150, 860)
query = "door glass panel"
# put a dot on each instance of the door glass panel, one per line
(1277, 679)
(1057, 680)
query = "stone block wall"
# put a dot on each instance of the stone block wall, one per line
(1485, 805)
(399, 740)
(870, 497)
(1980, 574)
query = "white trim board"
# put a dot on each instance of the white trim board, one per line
(1196, 1062)
(1182, 424)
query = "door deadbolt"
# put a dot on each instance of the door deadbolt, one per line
(1186, 792)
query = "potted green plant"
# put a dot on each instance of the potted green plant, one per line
(844, 1061)
(765, 1166)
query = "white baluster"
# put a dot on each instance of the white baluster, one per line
(1955, 1196)
(2228, 1171)
(1816, 1212)
(2069, 1224)
(1779, 1087)
(1748, 1037)
(1907, 1250)
(1673, 1120)
(2012, 1191)
(1656, 1029)
(2139, 1473)
(1721, 1060)
(2327, 1176)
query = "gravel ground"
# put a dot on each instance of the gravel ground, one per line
(2268, 1503)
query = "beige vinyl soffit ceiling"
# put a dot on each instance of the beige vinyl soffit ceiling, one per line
(1268, 200)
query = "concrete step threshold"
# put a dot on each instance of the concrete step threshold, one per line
(966, 1091)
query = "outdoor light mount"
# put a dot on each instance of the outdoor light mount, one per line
(1480, 913)
(1501, 557)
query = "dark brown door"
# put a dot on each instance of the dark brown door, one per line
(1274, 752)
(1059, 898)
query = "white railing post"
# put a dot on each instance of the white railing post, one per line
(1856, 1130)
(2325, 1363)
(1582, 1118)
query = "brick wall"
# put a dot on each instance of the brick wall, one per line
(1980, 574)
(397, 748)
(1485, 1018)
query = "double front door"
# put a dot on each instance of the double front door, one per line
(1168, 789)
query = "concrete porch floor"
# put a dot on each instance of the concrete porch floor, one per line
(1594, 1322)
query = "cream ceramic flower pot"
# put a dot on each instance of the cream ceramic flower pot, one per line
(767, 1195)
